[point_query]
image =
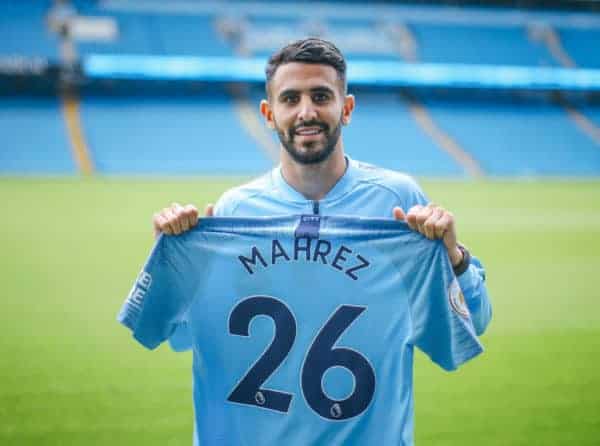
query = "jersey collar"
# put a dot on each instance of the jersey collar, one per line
(344, 184)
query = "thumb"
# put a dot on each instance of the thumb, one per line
(399, 213)
(209, 210)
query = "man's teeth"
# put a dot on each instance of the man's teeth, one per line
(308, 131)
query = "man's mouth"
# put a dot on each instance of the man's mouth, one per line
(308, 131)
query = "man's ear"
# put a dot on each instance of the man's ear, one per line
(347, 109)
(265, 110)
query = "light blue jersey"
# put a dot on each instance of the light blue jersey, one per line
(363, 191)
(303, 328)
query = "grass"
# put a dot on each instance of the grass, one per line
(70, 375)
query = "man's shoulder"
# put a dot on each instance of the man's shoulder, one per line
(398, 182)
(231, 199)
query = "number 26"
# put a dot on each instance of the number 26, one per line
(321, 356)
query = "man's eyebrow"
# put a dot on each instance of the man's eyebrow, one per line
(321, 89)
(293, 91)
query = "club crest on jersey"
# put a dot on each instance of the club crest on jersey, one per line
(457, 300)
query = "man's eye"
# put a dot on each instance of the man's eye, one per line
(320, 97)
(290, 99)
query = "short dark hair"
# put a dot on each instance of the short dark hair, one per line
(310, 50)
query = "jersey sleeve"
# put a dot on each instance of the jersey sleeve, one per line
(409, 192)
(472, 281)
(441, 322)
(415, 194)
(161, 295)
(472, 284)
(181, 337)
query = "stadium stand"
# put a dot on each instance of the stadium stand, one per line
(582, 45)
(393, 145)
(159, 35)
(34, 137)
(162, 135)
(24, 31)
(357, 38)
(135, 37)
(184, 35)
(213, 131)
(519, 138)
(593, 113)
(478, 45)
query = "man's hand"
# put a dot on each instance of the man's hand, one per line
(177, 219)
(434, 222)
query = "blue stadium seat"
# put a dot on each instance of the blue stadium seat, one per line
(154, 135)
(347, 33)
(583, 45)
(24, 30)
(519, 139)
(135, 36)
(384, 132)
(34, 137)
(190, 35)
(362, 39)
(478, 45)
(593, 113)
(280, 31)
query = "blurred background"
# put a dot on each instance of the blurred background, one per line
(113, 109)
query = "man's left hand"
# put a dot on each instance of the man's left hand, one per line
(434, 222)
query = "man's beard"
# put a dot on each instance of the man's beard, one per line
(312, 157)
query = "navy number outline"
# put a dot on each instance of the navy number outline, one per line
(248, 390)
(322, 355)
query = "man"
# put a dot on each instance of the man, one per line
(307, 105)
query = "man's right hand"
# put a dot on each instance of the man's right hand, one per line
(177, 219)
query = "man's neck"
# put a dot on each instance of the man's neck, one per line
(314, 181)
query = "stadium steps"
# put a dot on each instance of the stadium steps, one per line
(383, 131)
(406, 42)
(592, 113)
(552, 40)
(548, 37)
(526, 160)
(79, 147)
(519, 138)
(582, 45)
(583, 122)
(409, 49)
(252, 122)
(446, 142)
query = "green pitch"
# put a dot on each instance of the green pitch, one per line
(70, 375)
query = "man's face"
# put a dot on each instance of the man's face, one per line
(307, 109)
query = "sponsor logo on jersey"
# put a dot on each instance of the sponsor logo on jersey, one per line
(140, 288)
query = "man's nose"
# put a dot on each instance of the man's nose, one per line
(307, 110)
